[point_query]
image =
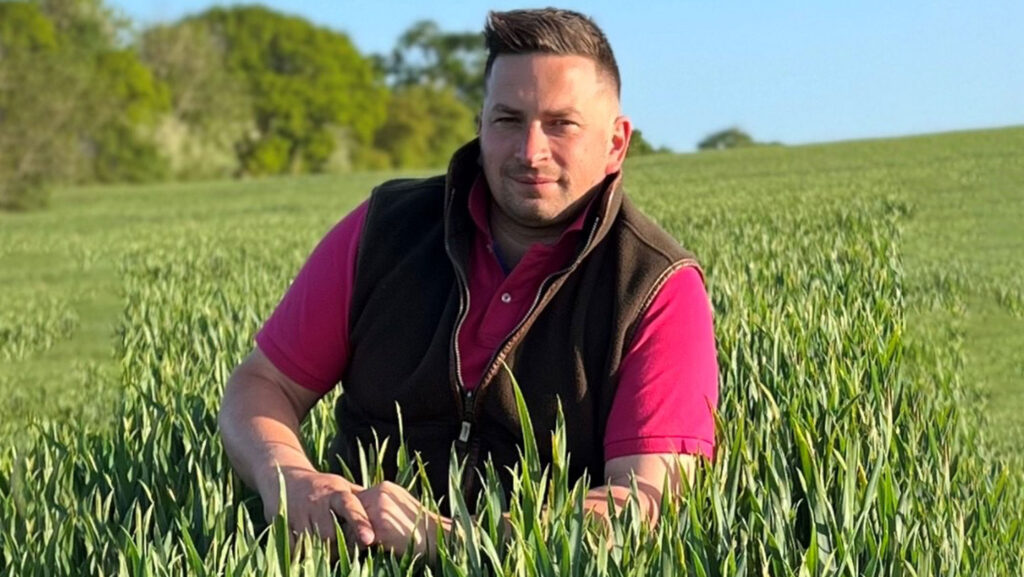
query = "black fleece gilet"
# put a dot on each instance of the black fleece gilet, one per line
(411, 294)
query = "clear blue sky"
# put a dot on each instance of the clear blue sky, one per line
(796, 72)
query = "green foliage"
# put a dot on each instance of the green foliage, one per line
(849, 442)
(23, 28)
(75, 105)
(424, 125)
(37, 143)
(124, 155)
(271, 154)
(88, 26)
(437, 89)
(728, 138)
(210, 109)
(427, 56)
(303, 80)
(141, 97)
(124, 148)
(230, 92)
(638, 146)
(371, 158)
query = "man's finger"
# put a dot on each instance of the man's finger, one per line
(323, 526)
(352, 516)
(296, 528)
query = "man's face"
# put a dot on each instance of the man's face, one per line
(550, 131)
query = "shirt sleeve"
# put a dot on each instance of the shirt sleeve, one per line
(306, 337)
(668, 384)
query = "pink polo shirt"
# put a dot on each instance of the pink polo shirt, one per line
(668, 382)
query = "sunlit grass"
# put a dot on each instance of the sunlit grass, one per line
(850, 436)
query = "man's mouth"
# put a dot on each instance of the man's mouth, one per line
(534, 180)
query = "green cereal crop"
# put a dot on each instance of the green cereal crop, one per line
(850, 441)
(34, 325)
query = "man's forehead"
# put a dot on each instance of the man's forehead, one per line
(515, 76)
(544, 63)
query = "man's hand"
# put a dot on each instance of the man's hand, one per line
(259, 425)
(399, 520)
(315, 500)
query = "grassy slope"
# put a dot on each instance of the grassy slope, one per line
(965, 193)
(969, 222)
(965, 190)
(70, 255)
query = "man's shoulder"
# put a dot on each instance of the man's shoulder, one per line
(649, 235)
(411, 185)
(401, 197)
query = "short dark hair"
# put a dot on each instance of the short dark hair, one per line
(548, 31)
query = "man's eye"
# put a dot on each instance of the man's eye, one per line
(563, 123)
(505, 120)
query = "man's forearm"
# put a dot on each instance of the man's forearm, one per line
(259, 426)
(652, 473)
(260, 433)
(649, 499)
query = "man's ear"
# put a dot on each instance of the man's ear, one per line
(619, 145)
(477, 121)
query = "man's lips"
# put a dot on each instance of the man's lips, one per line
(533, 180)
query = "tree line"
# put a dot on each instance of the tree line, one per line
(231, 92)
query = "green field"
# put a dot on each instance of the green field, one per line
(869, 301)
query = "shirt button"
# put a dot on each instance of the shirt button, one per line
(506, 298)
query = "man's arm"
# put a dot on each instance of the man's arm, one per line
(259, 425)
(663, 408)
(651, 471)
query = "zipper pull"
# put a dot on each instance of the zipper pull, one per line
(467, 416)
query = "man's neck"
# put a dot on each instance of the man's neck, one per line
(514, 240)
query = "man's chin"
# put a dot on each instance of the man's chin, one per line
(537, 215)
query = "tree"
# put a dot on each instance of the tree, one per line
(424, 55)
(210, 109)
(305, 83)
(638, 146)
(424, 126)
(74, 102)
(125, 150)
(122, 100)
(88, 25)
(39, 125)
(728, 138)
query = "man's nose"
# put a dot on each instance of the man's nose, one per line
(534, 147)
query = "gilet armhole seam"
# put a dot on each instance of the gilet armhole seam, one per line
(652, 294)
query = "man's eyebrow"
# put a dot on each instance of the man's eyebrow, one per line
(563, 112)
(505, 109)
(556, 113)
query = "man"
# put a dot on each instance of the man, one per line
(527, 255)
